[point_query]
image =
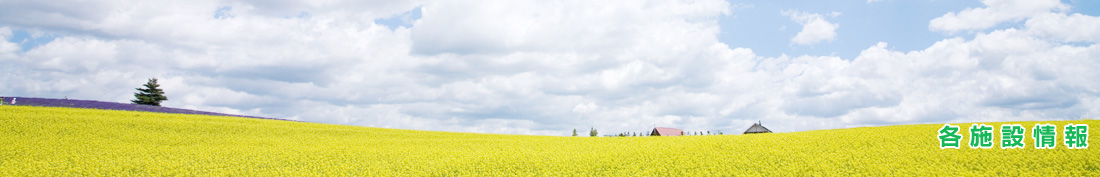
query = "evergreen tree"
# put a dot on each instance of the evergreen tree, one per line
(574, 132)
(593, 133)
(150, 95)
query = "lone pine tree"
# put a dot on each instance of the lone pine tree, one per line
(150, 95)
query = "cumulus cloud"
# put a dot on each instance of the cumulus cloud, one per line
(814, 27)
(534, 67)
(471, 28)
(7, 49)
(1067, 28)
(995, 12)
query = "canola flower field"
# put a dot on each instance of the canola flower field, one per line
(49, 141)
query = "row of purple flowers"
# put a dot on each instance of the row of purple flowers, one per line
(48, 102)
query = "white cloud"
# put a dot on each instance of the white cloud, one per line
(7, 49)
(1004, 73)
(995, 12)
(534, 67)
(814, 27)
(1067, 28)
(472, 28)
(585, 107)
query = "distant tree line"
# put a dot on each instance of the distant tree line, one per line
(594, 133)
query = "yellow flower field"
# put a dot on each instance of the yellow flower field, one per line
(43, 141)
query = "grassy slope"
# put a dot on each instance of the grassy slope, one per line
(40, 141)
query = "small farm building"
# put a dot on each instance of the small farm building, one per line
(663, 131)
(757, 128)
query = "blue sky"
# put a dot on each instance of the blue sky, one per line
(903, 24)
(547, 67)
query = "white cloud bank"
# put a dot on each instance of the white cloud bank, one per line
(535, 67)
(814, 27)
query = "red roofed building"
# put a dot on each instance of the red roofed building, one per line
(662, 131)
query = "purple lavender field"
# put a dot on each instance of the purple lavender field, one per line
(47, 102)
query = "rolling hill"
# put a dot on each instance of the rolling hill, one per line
(53, 141)
(92, 104)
